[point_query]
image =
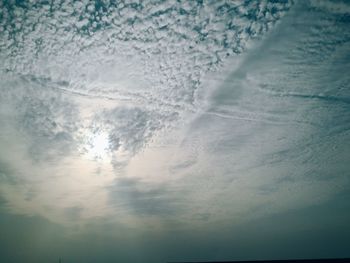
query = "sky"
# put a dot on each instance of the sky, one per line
(163, 130)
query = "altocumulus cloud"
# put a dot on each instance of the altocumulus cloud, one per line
(132, 70)
(153, 131)
(269, 134)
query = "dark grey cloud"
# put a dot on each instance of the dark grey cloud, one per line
(5, 173)
(46, 118)
(73, 213)
(143, 199)
(129, 129)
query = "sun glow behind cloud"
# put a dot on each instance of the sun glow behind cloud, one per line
(98, 147)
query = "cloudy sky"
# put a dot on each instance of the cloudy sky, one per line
(164, 130)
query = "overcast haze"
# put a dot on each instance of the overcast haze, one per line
(155, 131)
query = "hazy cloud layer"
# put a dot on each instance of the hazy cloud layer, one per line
(186, 119)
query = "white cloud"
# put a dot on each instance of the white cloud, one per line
(136, 74)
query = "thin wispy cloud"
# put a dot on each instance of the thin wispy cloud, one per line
(174, 119)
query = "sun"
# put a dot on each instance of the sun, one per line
(98, 146)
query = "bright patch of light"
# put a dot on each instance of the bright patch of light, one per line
(98, 146)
